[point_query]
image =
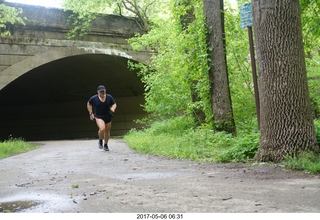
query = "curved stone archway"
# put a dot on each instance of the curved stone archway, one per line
(31, 62)
(49, 101)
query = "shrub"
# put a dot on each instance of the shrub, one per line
(244, 149)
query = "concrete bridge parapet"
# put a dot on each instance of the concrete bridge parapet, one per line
(56, 20)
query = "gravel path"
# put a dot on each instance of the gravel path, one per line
(76, 176)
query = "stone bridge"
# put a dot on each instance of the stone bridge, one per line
(47, 79)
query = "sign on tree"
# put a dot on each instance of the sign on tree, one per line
(246, 16)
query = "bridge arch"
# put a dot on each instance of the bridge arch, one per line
(16, 70)
(46, 79)
(48, 100)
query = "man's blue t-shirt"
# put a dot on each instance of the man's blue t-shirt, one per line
(102, 109)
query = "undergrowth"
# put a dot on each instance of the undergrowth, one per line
(306, 161)
(15, 146)
(177, 138)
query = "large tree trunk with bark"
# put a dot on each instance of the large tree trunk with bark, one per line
(218, 73)
(286, 121)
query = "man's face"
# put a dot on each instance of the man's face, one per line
(101, 93)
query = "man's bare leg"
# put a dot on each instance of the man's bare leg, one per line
(107, 134)
(101, 125)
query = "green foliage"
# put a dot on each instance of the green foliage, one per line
(85, 11)
(177, 138)
(310, 17)
(207, 145)
(165, 95)
(317, 128)
(305, 161)
(173, 126)
(180, 60)
(243, 150)
(175, 61)
(313, 70)
(15, 146)
(9, 15)
(240, 73)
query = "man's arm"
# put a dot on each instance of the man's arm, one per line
(113, 107)
(89, 107)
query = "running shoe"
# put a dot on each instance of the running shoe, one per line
(100, 144)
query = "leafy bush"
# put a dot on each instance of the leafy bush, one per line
(173, 126)
(177, 138)
(244, 149)
(317, 128)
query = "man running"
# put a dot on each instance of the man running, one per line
(103, 104)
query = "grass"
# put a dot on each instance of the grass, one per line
(198, 145)
(14, 146)
(176, 138)
(306, 161)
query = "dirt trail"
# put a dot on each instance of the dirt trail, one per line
(77, 176)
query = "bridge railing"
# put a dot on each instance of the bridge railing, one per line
(39, 17)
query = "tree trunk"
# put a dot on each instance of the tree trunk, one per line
(218, 73)
(286, 122)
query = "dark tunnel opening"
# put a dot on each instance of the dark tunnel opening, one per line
(49, 102)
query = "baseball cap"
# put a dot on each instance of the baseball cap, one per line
(101, 88)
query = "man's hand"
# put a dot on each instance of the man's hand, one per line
(113, 108)
(91, 116)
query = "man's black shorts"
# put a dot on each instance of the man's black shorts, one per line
(106, 118)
